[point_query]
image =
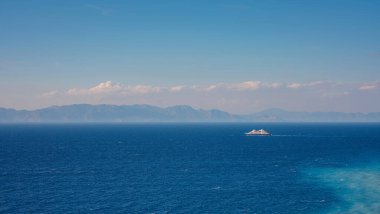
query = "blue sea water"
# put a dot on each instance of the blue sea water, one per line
(189, 168)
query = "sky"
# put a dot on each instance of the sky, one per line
(238, 56)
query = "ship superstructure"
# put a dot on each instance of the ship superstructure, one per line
(260, 132)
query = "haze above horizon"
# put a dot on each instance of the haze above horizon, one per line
(237, 56)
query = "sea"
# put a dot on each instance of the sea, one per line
(190, 168)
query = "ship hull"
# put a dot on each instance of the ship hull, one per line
(258, 134)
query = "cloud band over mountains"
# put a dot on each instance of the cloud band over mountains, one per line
(108, 87)
(242, 97)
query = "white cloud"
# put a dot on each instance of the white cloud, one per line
(207, 88)
(142, 89)
(177, 88)
(297, 85)
(109, 88)
(103, 87)
(294, 85)
(369, 86)
(315, 83)
(249, 85)
(211, 87)
(243, 86)
(74, 92)
(49, 94)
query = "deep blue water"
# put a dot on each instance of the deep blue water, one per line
(189, 168)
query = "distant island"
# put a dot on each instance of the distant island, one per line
(181, 113)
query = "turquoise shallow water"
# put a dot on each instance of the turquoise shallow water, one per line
(189, 168)
(357, 188)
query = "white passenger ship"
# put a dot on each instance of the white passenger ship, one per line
(260, 132)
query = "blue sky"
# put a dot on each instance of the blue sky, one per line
(51, 46)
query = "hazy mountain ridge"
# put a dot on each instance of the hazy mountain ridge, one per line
(181, 113)
(114, 113)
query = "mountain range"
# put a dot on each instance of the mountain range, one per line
(181, 113)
